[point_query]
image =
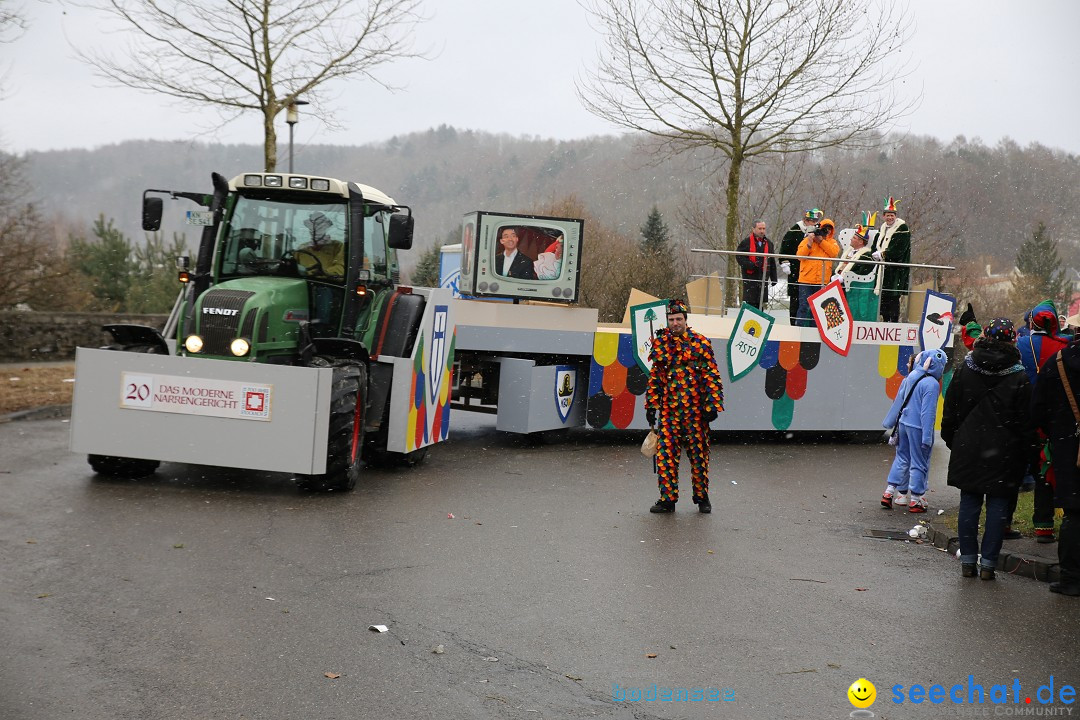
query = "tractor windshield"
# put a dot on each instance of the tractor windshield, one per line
(275, 237)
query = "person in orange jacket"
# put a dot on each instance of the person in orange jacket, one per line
(812, 275)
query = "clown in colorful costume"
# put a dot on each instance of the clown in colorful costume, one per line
(684, 394)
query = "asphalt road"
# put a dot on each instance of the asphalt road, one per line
(203, 593)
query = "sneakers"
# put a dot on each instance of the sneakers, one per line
(901, 498)
(968, 570)
(703, 504)
(887, 500)
(917, 505)
(663, 506)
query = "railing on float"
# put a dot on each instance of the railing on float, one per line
(762, 297)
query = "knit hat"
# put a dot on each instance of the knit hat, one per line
(890, 205)
(1000, 329)
(675, 307)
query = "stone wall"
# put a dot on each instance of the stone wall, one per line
(45, 336)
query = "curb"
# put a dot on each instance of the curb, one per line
(48, 412)
(1008, 562)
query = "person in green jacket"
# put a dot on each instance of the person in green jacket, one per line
(893, 245)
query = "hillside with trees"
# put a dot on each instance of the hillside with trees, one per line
(969, 204)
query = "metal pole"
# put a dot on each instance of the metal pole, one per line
(290, 146)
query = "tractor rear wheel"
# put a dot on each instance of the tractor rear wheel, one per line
(345, 435)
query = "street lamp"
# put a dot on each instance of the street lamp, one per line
(292, 116)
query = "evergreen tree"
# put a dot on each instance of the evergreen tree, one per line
(154, 285)
(108, 263)
(1041, 274)
(657, 272)
(654, 235)
(426, 272)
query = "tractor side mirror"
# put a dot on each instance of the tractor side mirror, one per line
(151, 213)
(401, 231)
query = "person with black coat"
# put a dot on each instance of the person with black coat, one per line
(1055, 417)
(759, 268)
(987, 424)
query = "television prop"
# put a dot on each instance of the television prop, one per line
(524, 257)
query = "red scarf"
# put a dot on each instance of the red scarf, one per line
(753, 249)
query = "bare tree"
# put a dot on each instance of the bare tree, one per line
(32, 270)
(261, 55)
(12, 23)
(748, 78)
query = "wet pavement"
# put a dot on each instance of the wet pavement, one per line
(206, 593)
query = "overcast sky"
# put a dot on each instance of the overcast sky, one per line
(983, 68)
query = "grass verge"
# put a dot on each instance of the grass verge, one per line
(25, 387)
(1025, 506)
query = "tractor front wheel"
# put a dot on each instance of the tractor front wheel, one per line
(345, 436)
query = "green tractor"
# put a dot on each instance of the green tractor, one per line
(298, 271)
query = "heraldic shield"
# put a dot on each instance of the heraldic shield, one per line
(937, 320)
(748, 336)
(437, 354)
(565, 389)
(645, 320)
(832, 315)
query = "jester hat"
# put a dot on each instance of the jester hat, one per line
(868, 220)
(675, 307)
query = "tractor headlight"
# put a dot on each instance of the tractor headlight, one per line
(239, 347)
(193, 344)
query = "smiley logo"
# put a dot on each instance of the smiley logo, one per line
(862, 693)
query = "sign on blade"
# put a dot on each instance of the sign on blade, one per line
(935, 329)
(751, 330)
(196, 396)
(833, 316)
(645, 320)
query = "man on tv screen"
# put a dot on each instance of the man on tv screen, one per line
(510, 262)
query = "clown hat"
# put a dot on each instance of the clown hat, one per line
(890, 205)
(814, 215)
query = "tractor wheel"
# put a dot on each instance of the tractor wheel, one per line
(345, 436)
(122, 467)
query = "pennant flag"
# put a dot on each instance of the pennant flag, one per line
(752, 328)
(830, 308)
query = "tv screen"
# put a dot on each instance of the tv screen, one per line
(521, 256)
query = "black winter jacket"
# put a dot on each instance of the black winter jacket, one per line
(1054, 417)
(987, 422)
